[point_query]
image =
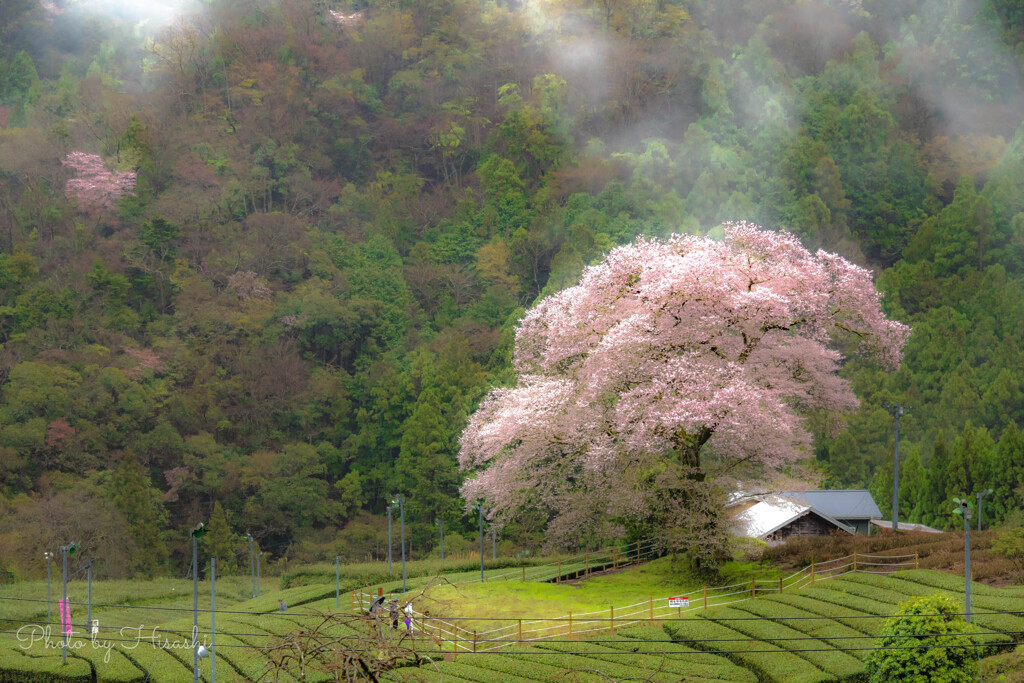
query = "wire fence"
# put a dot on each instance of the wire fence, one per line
(450, 636)
(456, 638)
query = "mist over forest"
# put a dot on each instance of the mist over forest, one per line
(290, 257)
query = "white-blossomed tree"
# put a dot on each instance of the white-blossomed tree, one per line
(666, 356)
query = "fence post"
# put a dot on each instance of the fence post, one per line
(780, 585)
(586, 564)
(638, 552)
(812, 572)
(854, 560)
(524, 573)
(570, 624)
(474, 641)
(611, 618)
(753, 587)
(455, 642)
(916, 565)
(705, 598)
(650, 603)
(558, 579)
(520, 633)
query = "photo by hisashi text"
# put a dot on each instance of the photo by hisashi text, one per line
(131, 637)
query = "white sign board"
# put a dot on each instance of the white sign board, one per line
(679, 602)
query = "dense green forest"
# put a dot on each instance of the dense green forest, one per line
(342, 209)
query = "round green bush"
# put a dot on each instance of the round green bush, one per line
(929, 645)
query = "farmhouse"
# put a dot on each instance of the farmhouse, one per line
(773, 517)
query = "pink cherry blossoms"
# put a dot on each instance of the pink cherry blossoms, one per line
(663, 350)
(94, 186)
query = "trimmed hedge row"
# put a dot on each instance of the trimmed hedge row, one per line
(15, 668)
(985, 601)
(293, 597)
(857, 620)
(638, 662)
(837, 635)
(817, 652)
(936, 579)
(769, 662)
(248, 661)
(469, 671)
(116, 668)
(159, 665)
(846, 600)
(582, 660)
(656, 640)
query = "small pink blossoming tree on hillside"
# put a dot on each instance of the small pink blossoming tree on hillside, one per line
(95, 187)
(662, 353)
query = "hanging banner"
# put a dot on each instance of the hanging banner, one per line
(65, 616)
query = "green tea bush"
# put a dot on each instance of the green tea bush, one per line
(15, 668)
(159, 665)
(844, 599)
(853, 619)
(837, 635)
(110, 665)
(466, 669)
(768, 661)
(841, 665)
(935, 579)
(925, 649)
(641, 664)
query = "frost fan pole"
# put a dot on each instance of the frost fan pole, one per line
(896, 411)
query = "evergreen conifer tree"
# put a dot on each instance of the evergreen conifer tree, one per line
(140, 503)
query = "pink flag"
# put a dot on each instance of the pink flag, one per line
(65, 615)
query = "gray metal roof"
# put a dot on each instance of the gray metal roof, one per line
(771, 513)
(840, 504)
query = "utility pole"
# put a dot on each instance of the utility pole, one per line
(252, 564)
(896, 411)
(479, 507)
(963, 507)
(390, 504)
(66, 550)
(49, 556)
(440, 522)
(196, 534)
(982, 494)
(401, 512)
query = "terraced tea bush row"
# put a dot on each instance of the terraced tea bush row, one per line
(643, 664)
(954, 583)
(987, 601)
(15, 668)
(848, 601)
(110, 665)
(819, 653)
(658, 641)
(769, 661)
(837, 635)
(466, 668)
(853, 619)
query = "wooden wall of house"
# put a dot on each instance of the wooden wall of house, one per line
(806, 525)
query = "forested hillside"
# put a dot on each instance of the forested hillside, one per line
(260, 260)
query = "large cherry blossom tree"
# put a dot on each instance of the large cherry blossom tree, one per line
(663, 353)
